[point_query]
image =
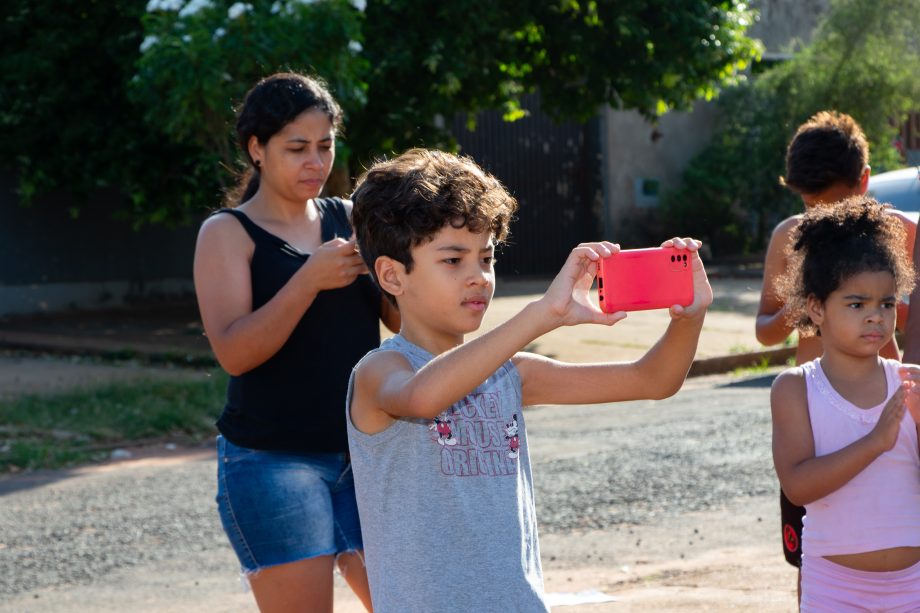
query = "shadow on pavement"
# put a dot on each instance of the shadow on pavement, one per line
(764, 381)
(10, 484)
(137, 456)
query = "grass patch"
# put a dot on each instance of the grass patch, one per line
(739, 349)
(758, 368)
(81, 426)
(595, 341)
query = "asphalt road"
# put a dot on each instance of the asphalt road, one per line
(145, 536)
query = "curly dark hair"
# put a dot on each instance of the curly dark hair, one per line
(834, 242)
(402, 203)
(827, 149)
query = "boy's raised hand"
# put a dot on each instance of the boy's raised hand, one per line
(568, 297)
(702, 291)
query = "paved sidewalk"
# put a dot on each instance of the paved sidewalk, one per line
(173, 334)
(674, 569)
(665, 506)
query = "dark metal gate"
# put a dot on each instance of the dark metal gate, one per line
(554, 172)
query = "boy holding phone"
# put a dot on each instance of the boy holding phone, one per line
(435, 425)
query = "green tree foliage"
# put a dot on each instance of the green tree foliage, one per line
(65, 118)
(862, 61)
(68, 121)
(432, 59)
(199, 58)
(140, 94)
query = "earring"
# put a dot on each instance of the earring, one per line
(258, 164)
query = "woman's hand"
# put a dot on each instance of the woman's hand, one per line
(336, 263)
(702, 291)
(568, 297)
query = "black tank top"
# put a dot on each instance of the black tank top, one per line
(295, 401)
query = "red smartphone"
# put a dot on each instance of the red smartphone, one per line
(642, 279)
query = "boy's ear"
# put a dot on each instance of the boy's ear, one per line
(815, 310)
(390, 275)
(864, 180)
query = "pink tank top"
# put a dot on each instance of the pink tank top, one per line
(880, 507)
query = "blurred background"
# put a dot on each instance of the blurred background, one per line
(629, 120)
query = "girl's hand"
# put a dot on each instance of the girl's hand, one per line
(910, 375)
(702, 291)
(886, 430)
(568, 297)
(335, 264)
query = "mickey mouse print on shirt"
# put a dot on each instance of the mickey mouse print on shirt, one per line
(511, 435)
(442, 425)
(476, 439)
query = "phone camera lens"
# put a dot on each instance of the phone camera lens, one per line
(672, 258)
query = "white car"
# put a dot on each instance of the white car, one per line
(899, 188)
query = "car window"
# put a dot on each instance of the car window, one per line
(903, 194)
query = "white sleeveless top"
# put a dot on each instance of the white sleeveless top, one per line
(880, 507)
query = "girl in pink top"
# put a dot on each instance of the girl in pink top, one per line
(845, 433)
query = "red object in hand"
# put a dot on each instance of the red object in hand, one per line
(642, 279)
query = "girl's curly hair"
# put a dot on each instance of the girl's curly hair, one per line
(834, 242)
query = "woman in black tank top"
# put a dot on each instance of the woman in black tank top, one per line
(288, 309)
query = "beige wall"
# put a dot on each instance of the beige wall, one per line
(785, 24)
(636, 150)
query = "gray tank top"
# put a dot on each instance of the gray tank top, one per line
(446, 505)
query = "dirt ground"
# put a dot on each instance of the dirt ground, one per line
(729, 329)
(22, 373)
(176, 330)
(720, 560)
(735, 566)
(714, 561)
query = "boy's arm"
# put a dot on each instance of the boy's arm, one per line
(658, 374)
(771, 326)
(804, 477)
(395, 390)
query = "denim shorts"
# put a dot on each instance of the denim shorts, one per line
(279, 507)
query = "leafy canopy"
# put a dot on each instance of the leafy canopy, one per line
(140, 95)
(431, 60)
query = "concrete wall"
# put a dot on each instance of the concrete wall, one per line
(640, 158)
(52, 261)
(785, 25)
